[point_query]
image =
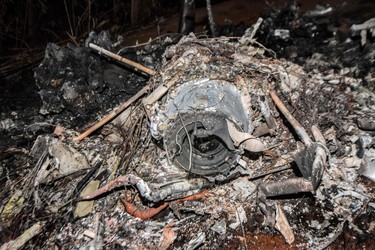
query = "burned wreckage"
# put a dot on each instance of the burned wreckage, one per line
(215, 142)
(212, 112)
(217, 106)
(211, 136)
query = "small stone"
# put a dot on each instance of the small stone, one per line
(366, 124)
(334, 81)
(114, 138)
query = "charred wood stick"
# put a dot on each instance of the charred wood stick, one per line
(122, 59)
(86, 178)
(145, 214)
(301, 132)
(255, 28)
(27, 235)
(113, 114)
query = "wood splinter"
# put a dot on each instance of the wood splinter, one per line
(122, 59)
(113, 114)
(27, 235)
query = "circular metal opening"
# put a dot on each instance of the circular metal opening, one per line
(203, 149)
(206, 149)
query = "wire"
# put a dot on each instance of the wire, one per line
(189, 140)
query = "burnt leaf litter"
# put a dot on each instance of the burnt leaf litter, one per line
(207, 159)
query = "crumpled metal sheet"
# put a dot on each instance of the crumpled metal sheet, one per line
(56, 159)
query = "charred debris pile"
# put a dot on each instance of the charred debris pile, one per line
(263, 140)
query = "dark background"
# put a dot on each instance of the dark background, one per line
(27, 26)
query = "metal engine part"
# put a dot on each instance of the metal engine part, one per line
(208, 98)
(193, 125)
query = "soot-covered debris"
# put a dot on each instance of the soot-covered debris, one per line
(48, 175)
(75, 82)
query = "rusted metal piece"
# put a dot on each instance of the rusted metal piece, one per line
(311, 160)
(145, 214)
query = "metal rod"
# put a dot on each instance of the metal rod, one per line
(122, 59)
(301, 132)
